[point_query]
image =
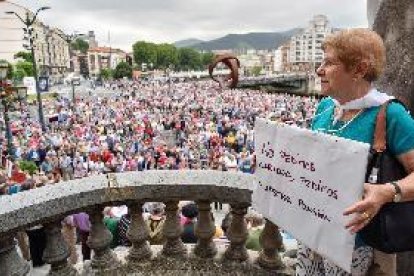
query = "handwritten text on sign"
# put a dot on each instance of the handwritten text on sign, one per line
(305, 182)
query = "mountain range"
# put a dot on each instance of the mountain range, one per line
(256, 40)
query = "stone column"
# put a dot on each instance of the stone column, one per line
(56, 252)
(237, 234)
(173, 246)
(138, 235)
(10, 261)
(99, 240)
(204, 230)
(270, 240)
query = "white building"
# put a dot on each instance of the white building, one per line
(50, 49)
(305, 50)
(281, 59)
(104, 57)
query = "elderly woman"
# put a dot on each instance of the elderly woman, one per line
(353, 60)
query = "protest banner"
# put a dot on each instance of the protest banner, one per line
(305, 181)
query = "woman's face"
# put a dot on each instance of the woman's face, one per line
(335, 78)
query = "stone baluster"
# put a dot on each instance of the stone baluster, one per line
(204, 230)
(10, 261)
(271, 241)
(138, 235)
(237, 234)
(173, 246)
(99, 241)
(56, 251)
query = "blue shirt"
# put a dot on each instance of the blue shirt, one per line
(400, 129)
(400, 126)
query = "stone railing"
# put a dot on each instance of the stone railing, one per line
(50, 204)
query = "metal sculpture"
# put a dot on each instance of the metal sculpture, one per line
(231, 62)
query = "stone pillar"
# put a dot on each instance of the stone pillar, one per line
(99, 240)
(271, 241)
(173, 246)
(394, 22)
(204, 230)
(237, 234)
(138, 235)
(56, 252)
(10, 261)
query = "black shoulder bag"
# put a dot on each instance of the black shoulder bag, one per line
(392, 229)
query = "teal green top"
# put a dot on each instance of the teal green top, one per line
(400, 129)
(400, 126)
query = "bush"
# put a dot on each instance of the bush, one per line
(28, 166)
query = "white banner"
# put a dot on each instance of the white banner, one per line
(305, 182)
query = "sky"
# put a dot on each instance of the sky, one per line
(167, 21)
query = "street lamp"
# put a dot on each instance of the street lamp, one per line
(4, 96)
(28, 22)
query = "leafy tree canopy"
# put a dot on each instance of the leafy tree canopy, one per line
(123, 69)
(164, 55)
(80, 45)
(26, 56)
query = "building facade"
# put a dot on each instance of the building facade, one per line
(281, 59)
(305, 49)
(51, 50)
(104, 58)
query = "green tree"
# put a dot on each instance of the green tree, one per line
(26, 67)
(189, 59)
(167, 54)
(106, 73)
(123, 69)
(80, 45)
(207, 59)
(26, 56)
(144, 52)
(10, 70)
(19, 74)
(256, 71)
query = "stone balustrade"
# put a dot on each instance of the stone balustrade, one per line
(50, 204)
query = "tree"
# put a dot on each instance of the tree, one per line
(10, 70)
(106, 73)
(167, 54)
(80, 45)
(26, 56)
(123, 69)
(144, 52)
(26, 67)
(207, 59)
(189, 59)
(256, 71)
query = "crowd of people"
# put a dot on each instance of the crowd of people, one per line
(193, 125)
(141, 126)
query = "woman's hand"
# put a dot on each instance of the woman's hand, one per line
(375, 196)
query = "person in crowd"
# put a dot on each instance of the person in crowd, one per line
(83, 226)
(123, 227)
(353, 60)
(155, 223)
(111, 222)
(255, 225)
(189, 213)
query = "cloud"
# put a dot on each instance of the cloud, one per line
(172, 20)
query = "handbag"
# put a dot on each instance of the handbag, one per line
(392, 229)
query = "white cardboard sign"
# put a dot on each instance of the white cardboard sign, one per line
(305, 181)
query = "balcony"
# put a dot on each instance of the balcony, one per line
(48, 205)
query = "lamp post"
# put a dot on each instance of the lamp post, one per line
(28, 22)
(4, 95)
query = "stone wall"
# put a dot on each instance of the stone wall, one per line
(394, 21)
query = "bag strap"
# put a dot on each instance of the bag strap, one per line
(380, 134)
(380, 140)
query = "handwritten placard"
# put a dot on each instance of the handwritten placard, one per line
(305, 180)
